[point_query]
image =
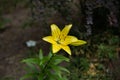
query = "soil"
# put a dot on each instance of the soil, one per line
(12, 43)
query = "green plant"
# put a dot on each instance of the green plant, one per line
(45, 67)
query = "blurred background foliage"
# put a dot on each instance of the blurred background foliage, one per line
(92, 21)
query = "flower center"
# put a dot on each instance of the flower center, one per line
(58, 42)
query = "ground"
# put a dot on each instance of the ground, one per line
(12, 43)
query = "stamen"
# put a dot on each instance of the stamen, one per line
(58, 41)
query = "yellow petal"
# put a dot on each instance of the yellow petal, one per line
(55, 48)
(79, 42)
(65, 31)
(49, 39)
(66, 48)
(55, 31)
(69, 40)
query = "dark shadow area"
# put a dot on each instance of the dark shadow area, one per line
(100, 20)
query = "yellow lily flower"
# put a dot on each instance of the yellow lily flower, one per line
(60, 39)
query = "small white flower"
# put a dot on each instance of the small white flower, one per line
(31, 43)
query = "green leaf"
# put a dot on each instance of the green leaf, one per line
(58, 70)
(44, 60)
(52, 76)
(40, 54)
(32, 69)
(26, 76)
(31, 60)
(110, 55)
(40, 77)
(50, 54)
(61, 58)
(57, 61)
(64, 69)
(31, 63)
(101, 67)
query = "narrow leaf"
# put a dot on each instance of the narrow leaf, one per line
(40, 54)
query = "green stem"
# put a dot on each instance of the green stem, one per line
(46, 65)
